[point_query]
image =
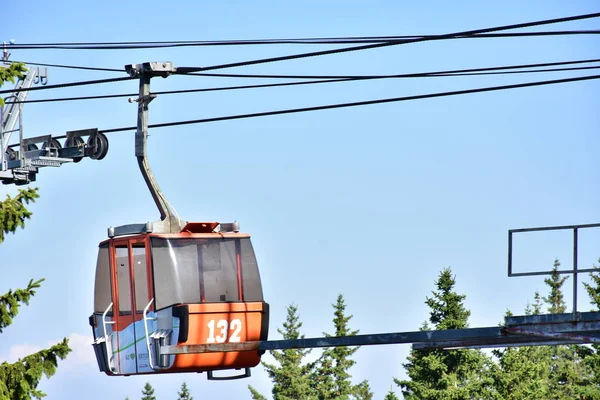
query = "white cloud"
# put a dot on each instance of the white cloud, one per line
(19, 351)
(82, 351)
(81, 356)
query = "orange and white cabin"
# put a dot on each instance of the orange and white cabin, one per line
(199, 286)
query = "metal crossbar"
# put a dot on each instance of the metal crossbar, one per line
(528, 330)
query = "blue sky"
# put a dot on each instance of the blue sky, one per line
(371, 202)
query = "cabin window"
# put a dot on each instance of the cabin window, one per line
(176, 278)
(217, 264)
(102, 289)
(201, 270)
(252, 286)
(141, 277)
(123, 280)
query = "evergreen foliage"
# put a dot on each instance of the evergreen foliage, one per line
(14, 70)
(362, 391)
(11, 301)
(326, 378)
(391, 395)
(331, 378)
(526, 372)
(593, 289)
(555, 300)
(13, 211)
(184, 393)
(148, 392)
(255, 395)
(592, 357)
(447, 374)
(543, 372)
(291, 378)
(19, 380)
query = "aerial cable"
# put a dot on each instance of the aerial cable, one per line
(185, 70)
(209, 74)
(358, 103)
(334, 40)
(519, 72)
(343, 79)
(453, 72)
(71, 66)
(63, 85)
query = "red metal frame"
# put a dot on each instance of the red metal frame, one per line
(121, 321)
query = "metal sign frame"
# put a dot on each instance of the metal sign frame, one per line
(574, 272)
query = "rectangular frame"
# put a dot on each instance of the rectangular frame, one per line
(575, 271)
(575, 229)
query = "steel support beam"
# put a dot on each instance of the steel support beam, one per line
(529, 330)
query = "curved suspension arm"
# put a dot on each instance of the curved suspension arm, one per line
(170, 222)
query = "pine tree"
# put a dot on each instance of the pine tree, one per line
(184, 394)
(391, 395)
(555, 300)
(569, 377)
(524, 372)
(593, 289)
(291, 379)
(362, 391)
(447, 374)
(13, 211)
(332, 379)
(19, 380)
(255, 394)
(592, 357)
(543, 372)
(148, 392)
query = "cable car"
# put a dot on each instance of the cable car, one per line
(199, 286)
(174, 285)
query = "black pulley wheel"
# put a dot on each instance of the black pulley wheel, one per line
(52, 147)
(11, 154)
(31, 146)
(74, 141)
(98, 145)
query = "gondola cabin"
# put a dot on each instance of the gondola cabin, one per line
(199, 286)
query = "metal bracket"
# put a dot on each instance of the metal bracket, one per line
(150, 69)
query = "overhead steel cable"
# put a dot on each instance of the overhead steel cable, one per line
(69, 84)
(453, 72)
(70, 66)
(328, 41)
(185, 70)
(331, 80)
(356, 104)
(275, 76)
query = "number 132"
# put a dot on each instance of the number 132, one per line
(223, 327)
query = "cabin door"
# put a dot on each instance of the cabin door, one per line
(134, 291)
